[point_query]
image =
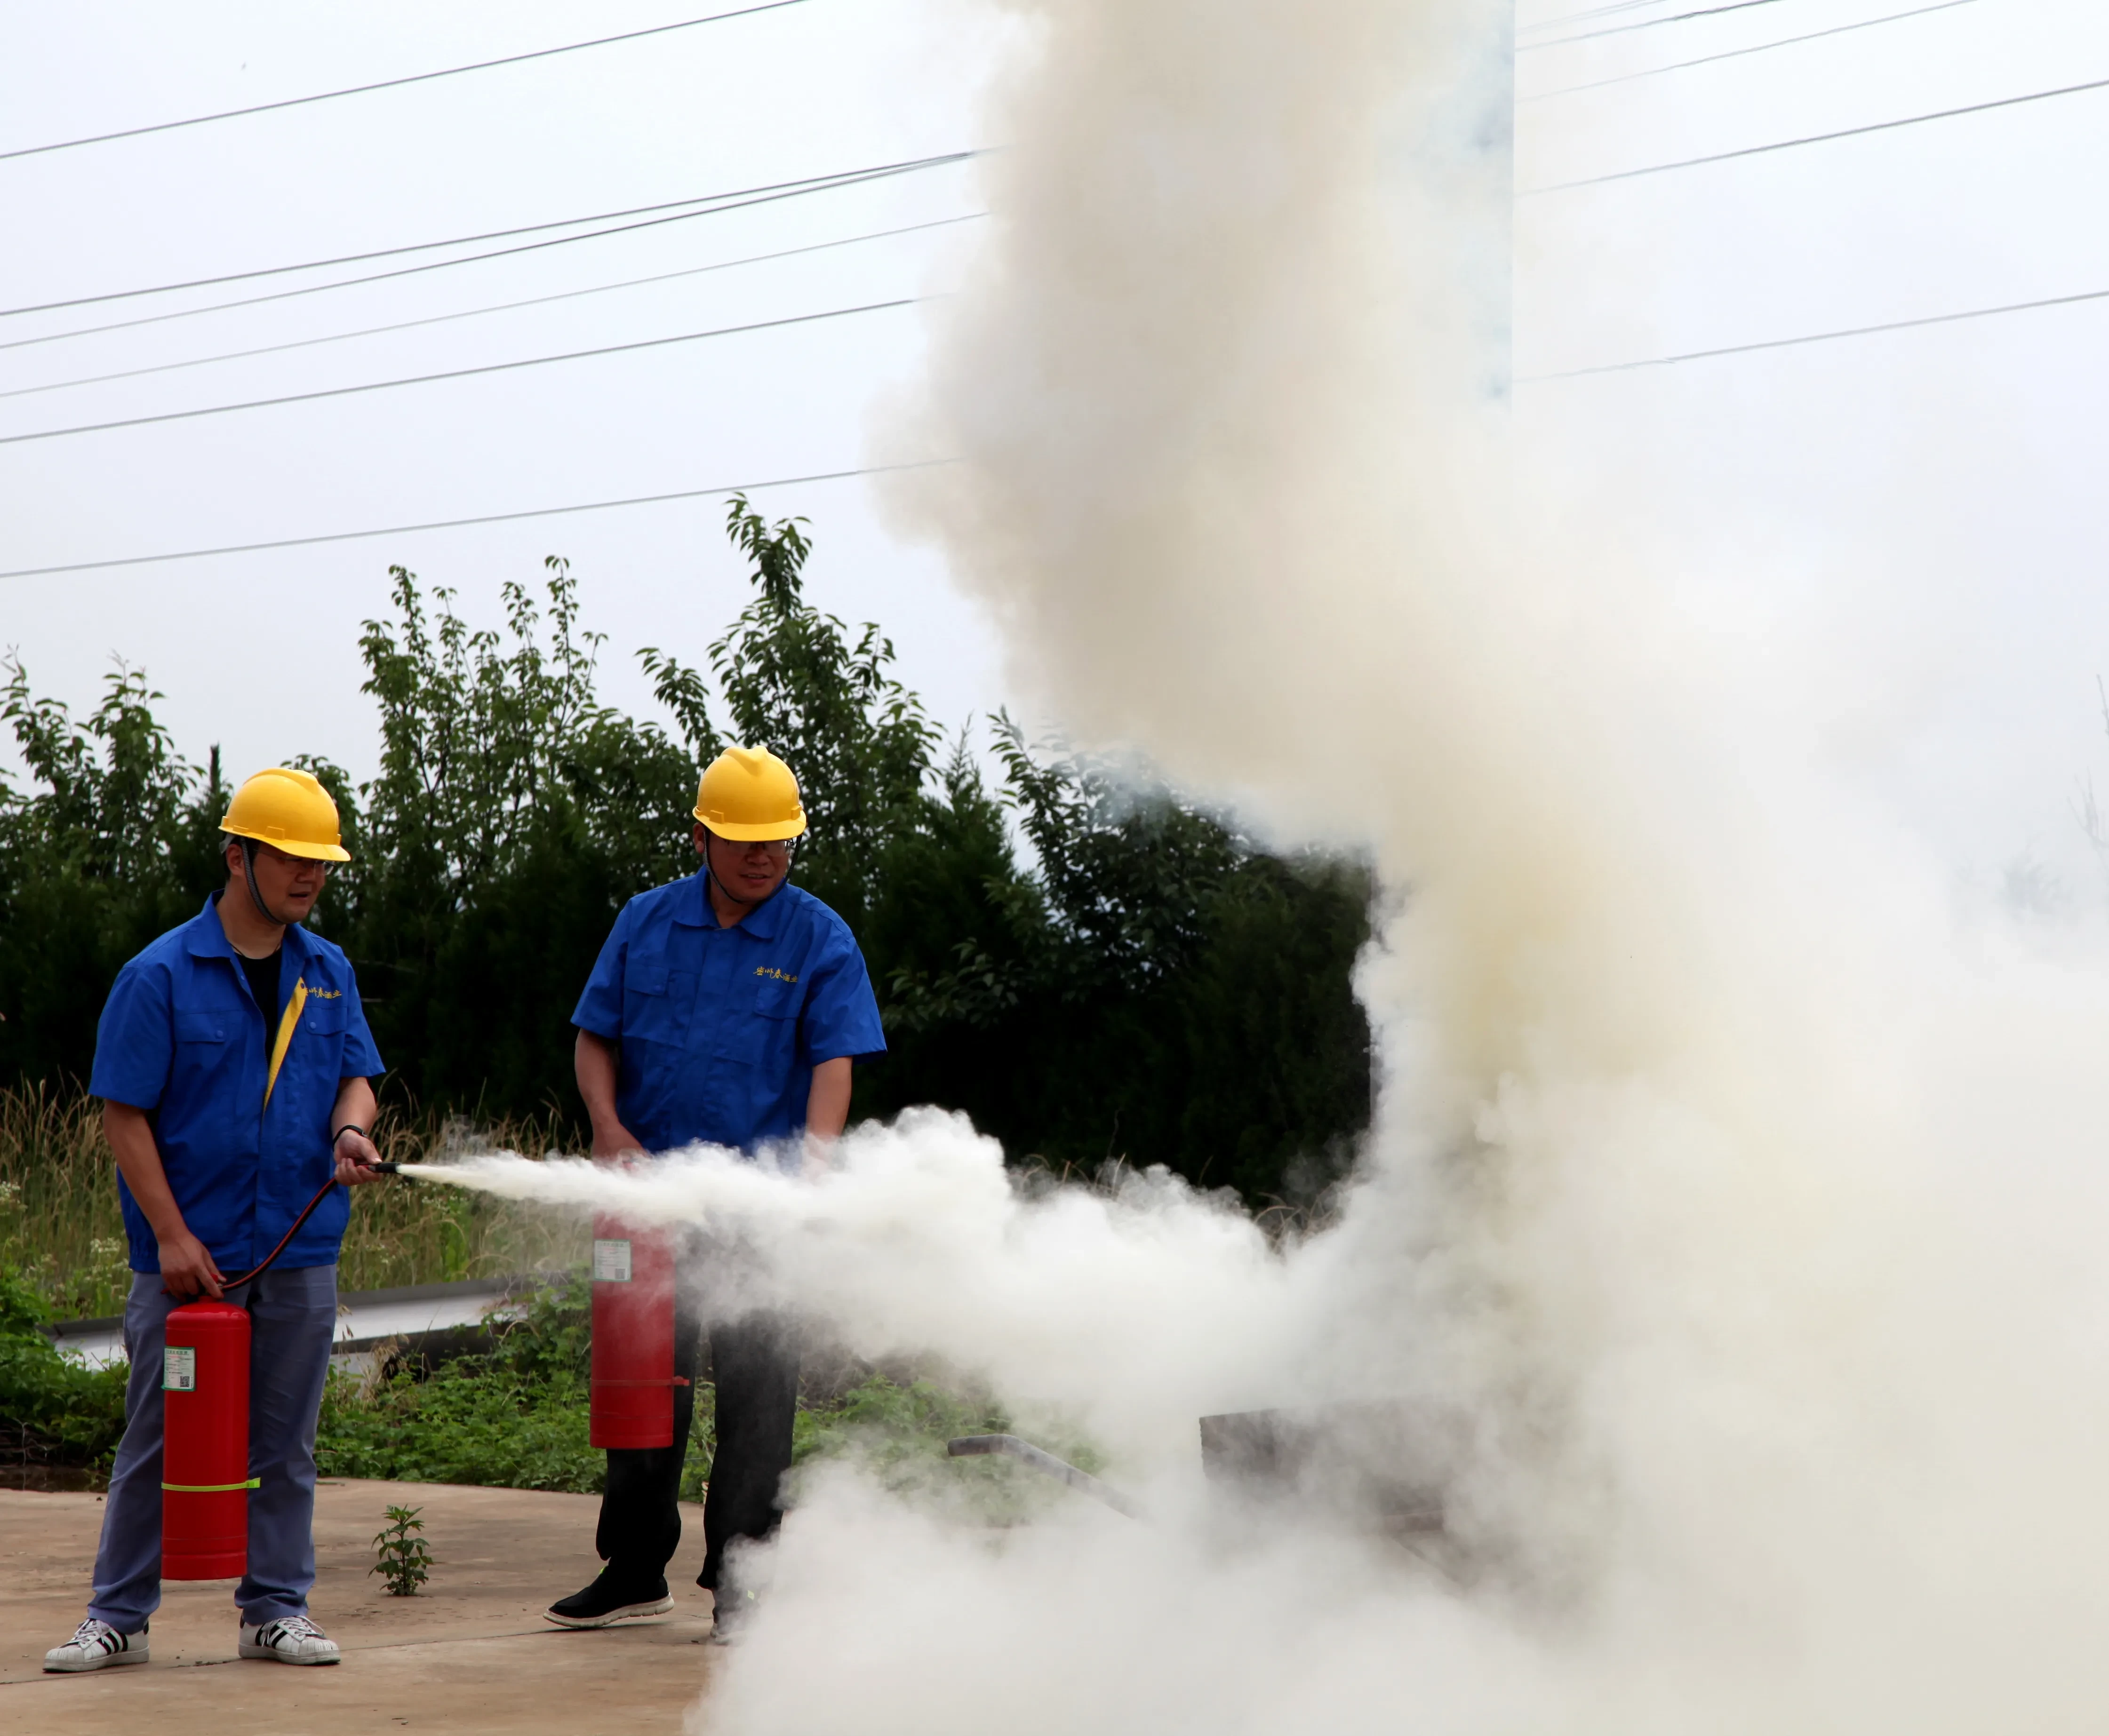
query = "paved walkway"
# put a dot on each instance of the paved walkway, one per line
(470, 1654)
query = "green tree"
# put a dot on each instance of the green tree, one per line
(1157, 991)
(1090, 966)
(512, 816)
(119, 843)
(795, 680)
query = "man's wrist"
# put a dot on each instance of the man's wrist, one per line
(351, 1127)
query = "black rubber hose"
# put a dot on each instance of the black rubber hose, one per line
(307, 1211)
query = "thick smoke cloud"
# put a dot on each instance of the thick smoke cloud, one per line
(1133, 1312)
(1748, 1207)
(1746, 1212)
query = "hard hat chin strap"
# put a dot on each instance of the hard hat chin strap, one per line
(249, 879)
(711, 874)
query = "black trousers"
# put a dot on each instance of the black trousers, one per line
(754, 1360)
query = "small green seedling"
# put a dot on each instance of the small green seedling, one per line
(404, 1559)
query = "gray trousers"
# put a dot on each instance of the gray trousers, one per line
(292, 1318)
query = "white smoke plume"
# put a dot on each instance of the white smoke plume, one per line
(1752, 1216)
(1134, 1312)
(1753, 1212)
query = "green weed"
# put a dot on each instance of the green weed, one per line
(403, 1558)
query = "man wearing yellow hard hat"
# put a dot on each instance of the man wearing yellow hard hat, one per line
(234, 1062)
(728, 1008)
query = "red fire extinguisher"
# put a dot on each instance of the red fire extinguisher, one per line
(205, 1430)
(633, 1336)
(204, 1451)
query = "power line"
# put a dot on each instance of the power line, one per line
(1707, 60)
(415, 78)
(1646, 24)
(457, 524)
(1820, 138)
(458, 373)
(797, 190)
(807, 182)
(502, 307)
(1583, 17)
(1822, 337)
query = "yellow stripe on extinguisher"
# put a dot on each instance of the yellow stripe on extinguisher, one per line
(210, 1488)
(285, 1035)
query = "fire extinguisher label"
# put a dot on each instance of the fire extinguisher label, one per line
(610, 1262)
(178, 1369)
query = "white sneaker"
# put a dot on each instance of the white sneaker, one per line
(95, 1644)
(291, 1639)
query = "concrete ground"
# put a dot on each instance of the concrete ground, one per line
(470, 1654)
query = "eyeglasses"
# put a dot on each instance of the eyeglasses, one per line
(286, 859)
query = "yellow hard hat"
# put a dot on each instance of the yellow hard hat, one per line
(290, 811)
(748, 794)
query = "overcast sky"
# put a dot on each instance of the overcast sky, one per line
(1915, 520)
(259, 651)
(1918, 515)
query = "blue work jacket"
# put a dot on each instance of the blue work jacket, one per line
(183, 1038)
(720, 1028)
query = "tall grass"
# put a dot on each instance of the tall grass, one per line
(59, 1223)
(61, 1229)
(406, 1233)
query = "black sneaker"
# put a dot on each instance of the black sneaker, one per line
(730, 1619)
(607, 1601)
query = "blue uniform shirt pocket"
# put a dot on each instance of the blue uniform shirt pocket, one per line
(322, 1016)
(778, 996)
(759, 1030)
(311, 1075)
(210, 1052)
(655, 1001)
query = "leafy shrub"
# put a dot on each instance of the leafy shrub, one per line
(64, 1413)
(897, 1431)
(463, 1423)
(551, 1340)
(516, 1419)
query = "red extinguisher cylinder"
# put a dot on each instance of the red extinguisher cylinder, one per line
(633, 1336)
(205, 1443)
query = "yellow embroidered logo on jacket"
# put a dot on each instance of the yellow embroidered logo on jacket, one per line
(326, 995)
(770, 970)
